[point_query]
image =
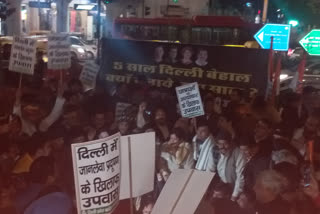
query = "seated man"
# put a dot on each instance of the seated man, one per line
(231, 164)
(205, 152)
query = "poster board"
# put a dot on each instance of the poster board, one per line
(218, 69)
(89, 74)
(120, 108)
(23, 55)
(96, 166)
(59, 52)
(190, 102)
(142, 151)
(183, 192)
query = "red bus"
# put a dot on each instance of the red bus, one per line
(214, 30)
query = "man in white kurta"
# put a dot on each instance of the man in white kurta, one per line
(204, 149)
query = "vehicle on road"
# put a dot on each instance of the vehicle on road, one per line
(208, 30)
(311, 76)
(77, 51)
(91, 50)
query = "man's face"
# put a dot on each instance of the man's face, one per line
(33, 113)
(174, 139)
(224, 146)
(223, 123)
(44, 151)
(312, 125)
(203, 133)
(203, 55)
(262, 130)
(173, 53)
(165, 174)
(123, 127)
(147, 209)
(246, 151)
(71, 119)
(99, 121)
(160, 117)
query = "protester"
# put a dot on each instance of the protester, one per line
(160, 125)
(41, 174)
(37, 147)
(147, 208)
(293, 114)
(205, 150)
(177, 153)
(263, 135)
(98, 128)
(257, 161)
(309, 132)
(268, 188)
(210, 116)
(231, 164)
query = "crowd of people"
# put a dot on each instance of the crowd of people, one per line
(265, 157)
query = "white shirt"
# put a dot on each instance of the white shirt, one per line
(30, 128)
(230, 169)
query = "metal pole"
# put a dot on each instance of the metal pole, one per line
(99, 31)
(143, 8)
(265, 11)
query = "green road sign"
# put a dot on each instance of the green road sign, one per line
(311, 42)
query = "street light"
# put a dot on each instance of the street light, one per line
(293, 23)
(107, 1)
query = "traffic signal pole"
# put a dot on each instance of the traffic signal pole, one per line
(265, 11)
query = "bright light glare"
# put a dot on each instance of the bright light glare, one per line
(81, 50)
(283, 76)
(85, 7)
(294, 23)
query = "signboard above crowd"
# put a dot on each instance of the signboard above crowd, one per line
(166, 65)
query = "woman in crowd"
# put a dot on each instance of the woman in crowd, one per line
(177, 153)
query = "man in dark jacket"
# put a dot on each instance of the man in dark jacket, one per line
(257, 161)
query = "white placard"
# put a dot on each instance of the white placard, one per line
(23, 55)
(96, 166)
(88, 75)
(183, 192)
(59, 53)
(120, 108)
(143, 147)
(190, 100)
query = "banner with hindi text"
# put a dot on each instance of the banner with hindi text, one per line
(215, 68)
(96, 166)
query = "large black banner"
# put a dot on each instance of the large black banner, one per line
(216, 68)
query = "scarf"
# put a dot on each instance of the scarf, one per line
(202, 155)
